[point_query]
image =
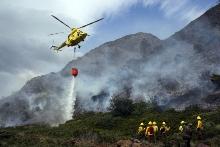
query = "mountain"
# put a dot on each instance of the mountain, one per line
(203, 33)
(175, 72)
(204, 36)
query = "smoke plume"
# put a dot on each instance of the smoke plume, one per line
(175, 71)
(47, 104)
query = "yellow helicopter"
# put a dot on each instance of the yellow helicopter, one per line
(74, 38)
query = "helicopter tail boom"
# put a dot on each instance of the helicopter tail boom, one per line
(55, 48)
(58, 48)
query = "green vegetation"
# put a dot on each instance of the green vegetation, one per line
(104, 129)
(121, 106)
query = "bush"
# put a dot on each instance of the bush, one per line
(140, 108)
(154, 105)
(121, 106)
(105, 122)
(193, 109)
(170, 110)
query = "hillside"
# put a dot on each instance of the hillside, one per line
(104, 129)
(175, 71)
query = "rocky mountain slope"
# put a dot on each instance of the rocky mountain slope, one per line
(174, 71)
(204, 36)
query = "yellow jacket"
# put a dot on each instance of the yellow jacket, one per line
(155, 129)
(141, 129)
(199, 124)
(164, 128)
(181, 128)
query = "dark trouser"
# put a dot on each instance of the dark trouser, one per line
(164, 139)
(140, 136)
(155, 137)
(150, 138)
(199, 134)
(186, 142)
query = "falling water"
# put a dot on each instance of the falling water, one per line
(71, 98)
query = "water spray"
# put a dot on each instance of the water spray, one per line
(74, 72)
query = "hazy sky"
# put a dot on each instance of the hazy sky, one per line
(25, 25)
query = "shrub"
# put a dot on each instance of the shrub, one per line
(105, 122)
(121, 106)
(193, 109)
(170, 110)
(140, 108)
(153, 106)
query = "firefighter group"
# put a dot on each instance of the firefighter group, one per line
(152, 132)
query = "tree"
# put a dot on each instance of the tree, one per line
(121, 106)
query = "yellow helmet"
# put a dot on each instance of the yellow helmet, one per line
(154, 123)
(163, 123)
(150, 123)
(198, 117)
(182, 122)
(142, 124)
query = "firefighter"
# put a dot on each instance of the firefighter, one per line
(163, 132)
(182, 125)
(155, 131)
(164, 129)
(199, 127)
(187, 134)
(150, 132)
(141, 130)
(180, 135)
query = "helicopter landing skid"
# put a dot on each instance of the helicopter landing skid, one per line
(78, 47)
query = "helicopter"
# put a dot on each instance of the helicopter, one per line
(74, 38)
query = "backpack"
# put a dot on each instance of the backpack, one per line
(162, 130)
(151, 130)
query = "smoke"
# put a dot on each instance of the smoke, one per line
(176, 75)
(174, 71)
(171, 74)
(46, 103)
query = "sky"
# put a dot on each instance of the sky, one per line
(25, 45)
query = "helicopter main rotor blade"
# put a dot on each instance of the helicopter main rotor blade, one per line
(61, 21)
(56, 33)
(90, 23)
